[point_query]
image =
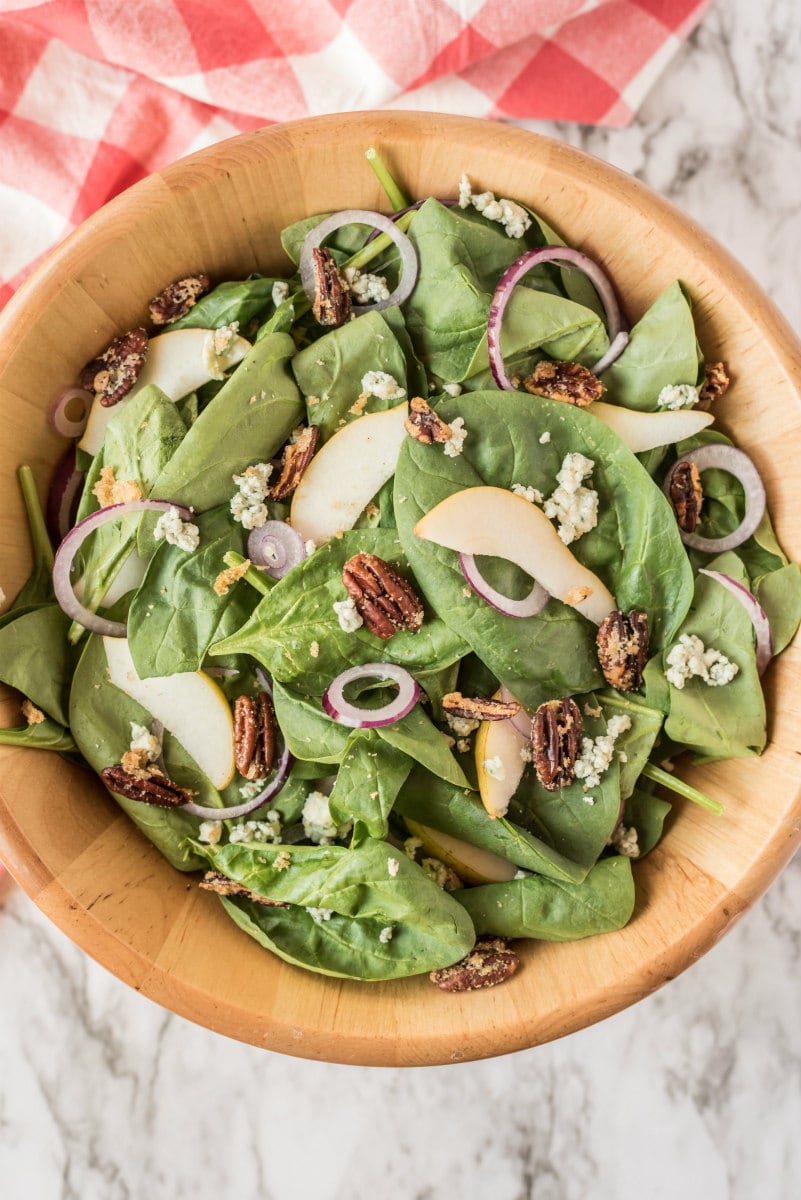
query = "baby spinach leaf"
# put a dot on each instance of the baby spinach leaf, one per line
(662, 350)
(647, 813)
(779, 593)
(236, 300)
(308, 732)
(37, 659)
(47, 735)
(342, 242)
(554, 910)
(415, 736)
(635, 743)
(370, 776)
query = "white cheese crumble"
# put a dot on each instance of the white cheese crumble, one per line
(267, 830)
(526, 754)
(364, 287)
(453, 447)
(217, 349)
(182, 534)
(383, 385)
(624, 839)
(247, 505)
(436, 871)
(532, 494)
(573, 506)
(310, 546)
(411, 846)
(494, 767)
(318, 915)
(545, 438)
(514, 219)
(348, 617)
(142, 739)
(318, 824)
(386, 934)
(280, 292)
(461, 726)
(453, 389)
(210, 832)
(690, 659)
(282, 861)
(393, 866)
(677, 395)
(596, 755)
(251, 788)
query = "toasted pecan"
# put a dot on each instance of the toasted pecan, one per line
(622, 642)
(716, 384)
(556, 732)
(254, 735)
(424, 425)
(686, 495)
(479, 708)
(566, 381)
(215, 881)
(178, 298)
(489, 963)
(331, 305)
(296, 458)
(384, 600)
(114, 372)
(149, 787)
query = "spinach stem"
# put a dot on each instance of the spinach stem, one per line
(378, 245)
(651, 771)
(40, 539)
(397, 197)
(253, 576)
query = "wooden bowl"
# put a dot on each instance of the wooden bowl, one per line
(77, 855)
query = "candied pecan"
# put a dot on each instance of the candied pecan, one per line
(686, 495)
(424, 425)
(177, 298)
(384, 600)
(150, 788)
(331, 293)
(254, 735)
(567, 381)
(622, 642)
(114, 372)
(716, 383)
(215, 881)
(479, 709)
(296, 458)
(555, 740)
(489, 962)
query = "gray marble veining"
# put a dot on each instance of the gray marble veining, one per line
(695, 1092)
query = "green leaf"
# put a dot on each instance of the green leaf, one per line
(647, 813)
(370, 776)
(780, 595)
(662, 350)
(309, 733)
(47, 735)
(37, 659)
(238, 300)
(415, 736)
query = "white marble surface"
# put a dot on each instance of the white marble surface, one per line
(695, 1092)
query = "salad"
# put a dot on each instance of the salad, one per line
(386, 594)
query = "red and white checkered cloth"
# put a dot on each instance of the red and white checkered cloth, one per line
(95, 94)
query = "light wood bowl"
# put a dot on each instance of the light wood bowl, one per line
(76, 854)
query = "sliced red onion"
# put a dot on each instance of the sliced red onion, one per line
(361, 216)
(518, 270)
(62, 422)
(413, 208)
(65, 556)
(759, 618)
(62, 497)
(738, 464)
(529, 606)
(341, 710)
(521, 720)
(276, 547)
(268, 792)
(616, 348)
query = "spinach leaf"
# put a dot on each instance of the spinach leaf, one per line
(647, 813)
(662, 350)
(415, 736)
(429, 928)
(47, 735)
(236, 300)
(37, 659)
(309, 733)
(635, 743)
(554, 910)
(779, 593)
(342, 242)
(370, 776)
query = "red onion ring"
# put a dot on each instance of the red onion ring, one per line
(268, 792)
(521, 720)
(276, 548)
(725, 458)
(60, 420)
(759, 618)
(66, 483)
(341, 710)
(520, 268)
(361, 216)
(65, 556)
(529, 606)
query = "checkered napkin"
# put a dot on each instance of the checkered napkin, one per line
(95, 94)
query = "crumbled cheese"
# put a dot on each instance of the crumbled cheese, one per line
(247, 505)
(217, 349)
(251, 788)
(521, 874)
(689, 659)
(625, 841)
(382, 385)
(545, 438)
(386, 934)
(32, 714)
(282, 861)
(210, 832)
(596, 755)
(231, 575)
(318, 915)
(465, 192)
(318, 824)
(461, 726)
(358, 406)
(494, 767)
(463, 745)
(182, 534)
(573, 506)
(280, 292)
(310, 546)
(109, 490)
(589, 799)
(411, 846)
(678, 395)
(453, 447)
(532, 494)
(349, 619)
(393, 866)
(142, 739)
(453, 389)
(267, 830)
(589, 711)
(314, 649)
(437, 872)
(364, 287)
(526, 755)
(511, 216)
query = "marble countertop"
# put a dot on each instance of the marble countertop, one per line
(693, 1092)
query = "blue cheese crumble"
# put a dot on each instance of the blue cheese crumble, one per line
(494, 767)
(596, 754)
(386, 934)
(210, 832)
(393, 866)
(453, 447)
(267, 830)
(217, 349)
(318, 824)
(514, 219)
(690, 659)
(247, 505)
(573, 506)
(280, 292)
(625, 841)
(318, 915)
(382, 385)
(349, 619)
(176, 532)
(532, 494)
(677, 395)
(364, 287)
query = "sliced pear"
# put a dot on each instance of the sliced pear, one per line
(178, 362)
(190, 705)
(471, 863)
(342, 478)
(494, 522)
(647, 430)
(499, 739)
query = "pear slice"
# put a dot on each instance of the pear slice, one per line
(494, 522)
(177, 362)
(499, 739)
(471, 863)
(646, 430)
(342, 478)
(190, 705)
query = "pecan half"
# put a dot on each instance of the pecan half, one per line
(622, 642)
(555, 740)
(296, 458)
(114, 372)
(686, 495)
(215, 881)
(716, 383)
(566, 381)
(177, 298)
(479, 709)
(331, 304)
(489, 962)
(424, 425)
(384, 600)
(254, 735)
(153, 788)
